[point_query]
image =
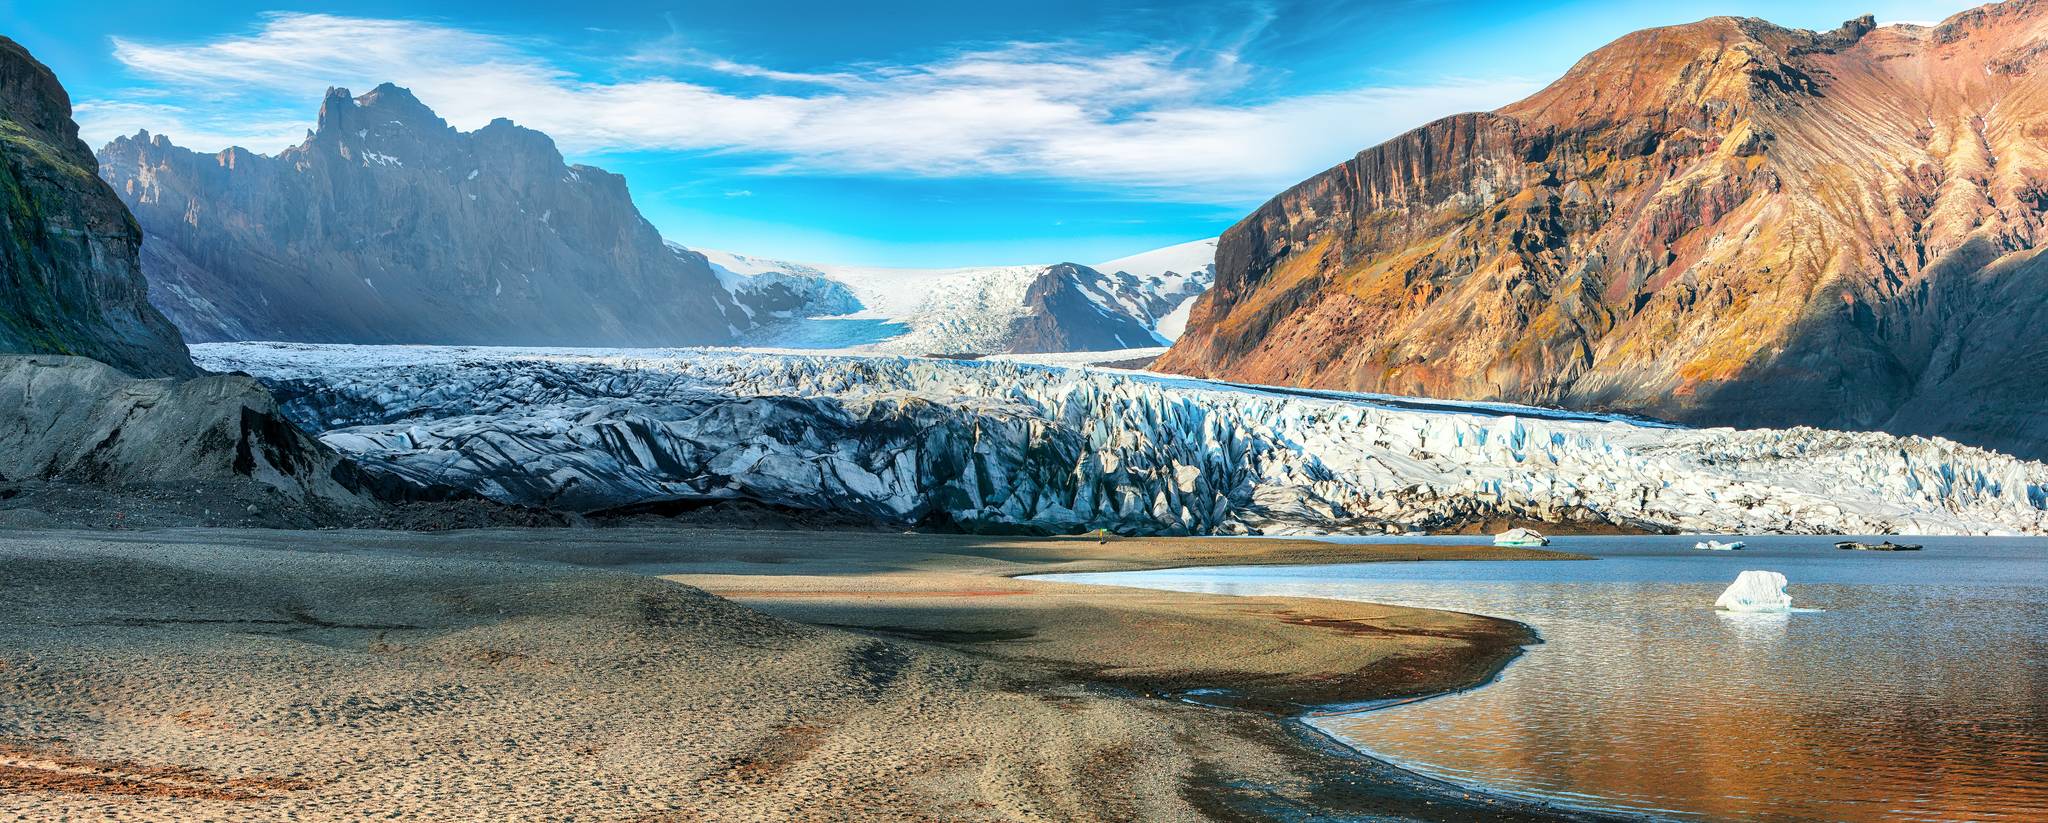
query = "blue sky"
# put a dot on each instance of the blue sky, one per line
(880, 133)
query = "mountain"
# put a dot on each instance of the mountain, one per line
(69, 282)
(75, 315)
(1184, 272)
(1726, 222)
(388, 226)
(975, 310)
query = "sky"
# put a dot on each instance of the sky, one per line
(925, 133)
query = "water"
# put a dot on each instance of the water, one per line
(1919, 692)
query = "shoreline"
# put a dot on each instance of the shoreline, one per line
(1385, 785)
(889, 676)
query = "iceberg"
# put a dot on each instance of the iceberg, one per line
(1756, 591)
(1718, 546)
(1521, 537)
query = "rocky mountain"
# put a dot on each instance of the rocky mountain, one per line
(1065, 307)
(1004, 447)
(74, 315)
(1727, 222)
(69, 282)
(389, 226)
(1182, 273)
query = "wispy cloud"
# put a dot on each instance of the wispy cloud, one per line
(1156, 119)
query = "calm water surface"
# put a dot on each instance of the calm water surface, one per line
(1919, 692)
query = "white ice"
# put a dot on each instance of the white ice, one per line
(998, 443)
(1756, 591)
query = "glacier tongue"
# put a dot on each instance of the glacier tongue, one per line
(1000, 446)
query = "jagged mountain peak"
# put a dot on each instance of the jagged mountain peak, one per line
(389, 225)
(387, 114)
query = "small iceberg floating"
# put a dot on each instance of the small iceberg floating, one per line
(1757, 591)
(1718, 546)
(1521, 537)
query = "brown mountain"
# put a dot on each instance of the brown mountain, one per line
(69, 283)
(388, 226)
(1727, 222)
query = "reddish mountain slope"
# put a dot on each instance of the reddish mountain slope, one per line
(1726, 222)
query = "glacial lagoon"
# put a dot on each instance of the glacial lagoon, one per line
(1918, 690)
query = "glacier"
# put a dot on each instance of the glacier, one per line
(1009, 446)
(968, 310)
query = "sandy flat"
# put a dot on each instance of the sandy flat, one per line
(586, 674)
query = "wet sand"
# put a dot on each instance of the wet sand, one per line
(586, 674)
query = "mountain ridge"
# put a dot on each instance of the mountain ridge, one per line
(978, 310)
(387, 225)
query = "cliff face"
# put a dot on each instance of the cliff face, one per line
(69, 282)
(389, 226)
(1726, 222)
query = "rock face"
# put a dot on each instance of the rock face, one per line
(74, 420)
(994, 446)
(389, 226)
(1726, 222)
(1071, 307)
(69, 283)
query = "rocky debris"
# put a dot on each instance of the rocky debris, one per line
(77, 421)
(1726, 222)
(69, 282)
(388, 225)
(992, 446)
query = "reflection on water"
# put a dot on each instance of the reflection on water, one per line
(1919, 692)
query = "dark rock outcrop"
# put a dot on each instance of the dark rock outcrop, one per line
(1726, 222)
(388, 226)
(69, 283)
(76, 421)
(1060, 315)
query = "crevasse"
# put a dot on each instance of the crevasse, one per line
(1002, 446)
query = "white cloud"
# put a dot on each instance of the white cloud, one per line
(104, 120)
(1147, 118)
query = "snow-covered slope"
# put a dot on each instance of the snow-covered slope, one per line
(1182, 272)
(1184, 259)
(994, 445)
(768, 293)
(978, 310)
